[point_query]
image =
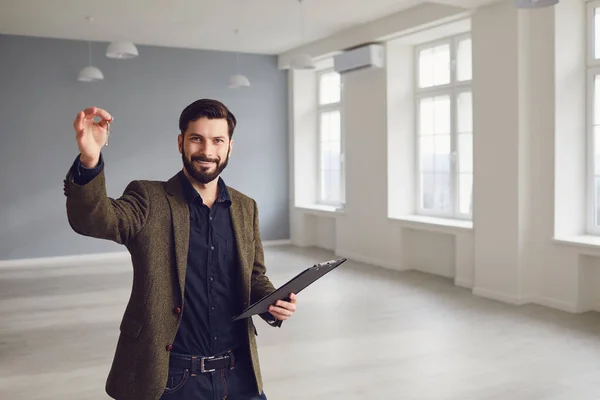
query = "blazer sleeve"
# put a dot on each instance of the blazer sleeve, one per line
(261, 285)
(91, 212)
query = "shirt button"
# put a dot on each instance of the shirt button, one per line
(177, 310)
(169, 347)
(215, 338)
(212, 308)
(212, 247)
(211, 279)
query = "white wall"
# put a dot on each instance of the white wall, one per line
(526, 243)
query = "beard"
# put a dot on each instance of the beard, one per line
(202, 173)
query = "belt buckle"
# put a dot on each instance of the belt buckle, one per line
(202, 369)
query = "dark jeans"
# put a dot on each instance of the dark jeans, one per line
(227, 384)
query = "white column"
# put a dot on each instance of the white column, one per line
(512, 93)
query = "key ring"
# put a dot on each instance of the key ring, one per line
(107, 132)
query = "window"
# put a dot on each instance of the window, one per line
(593, 118)
(331, 154)
(444, 128)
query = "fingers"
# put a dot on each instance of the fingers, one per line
(280, 313)
(78, 123)
(283, 310)
(91, 112)
(286, 305)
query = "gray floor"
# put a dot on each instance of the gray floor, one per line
(360, 333)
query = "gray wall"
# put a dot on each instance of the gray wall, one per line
(40, 96)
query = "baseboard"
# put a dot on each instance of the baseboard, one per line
(91, 259)
(368, 260)
(465, 283)
(503, 297)
(557, 304)
(529, 299)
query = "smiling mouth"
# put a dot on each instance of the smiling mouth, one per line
(205, 163)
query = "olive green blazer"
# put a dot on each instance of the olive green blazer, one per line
(151, 219)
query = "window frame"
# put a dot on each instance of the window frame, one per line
(593, 69)
(453, 89)
(321, 109)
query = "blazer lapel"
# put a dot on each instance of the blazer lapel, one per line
(242, 242)
(180, 216)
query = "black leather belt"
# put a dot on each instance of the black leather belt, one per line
(200, 365)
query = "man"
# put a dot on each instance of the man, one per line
(198, 261)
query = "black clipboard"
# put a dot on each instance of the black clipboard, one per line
(294, 285)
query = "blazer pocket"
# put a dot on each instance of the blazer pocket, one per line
(130, 327)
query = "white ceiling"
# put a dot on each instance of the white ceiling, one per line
(266, 26)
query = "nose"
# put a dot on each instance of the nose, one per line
(208, 150)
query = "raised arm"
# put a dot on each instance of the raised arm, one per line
(89, 210)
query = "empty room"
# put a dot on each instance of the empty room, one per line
(300, 199)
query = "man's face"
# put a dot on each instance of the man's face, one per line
(205, 148)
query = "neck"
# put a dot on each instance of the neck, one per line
(208, 191)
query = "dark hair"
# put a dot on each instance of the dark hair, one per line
(211, 109)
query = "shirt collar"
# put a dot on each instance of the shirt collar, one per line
(191, 194)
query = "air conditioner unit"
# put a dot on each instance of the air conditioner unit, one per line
(366, 56)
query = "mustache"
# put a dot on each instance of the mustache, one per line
(205, 159)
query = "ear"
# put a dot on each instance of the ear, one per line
(180, 142)
(230, 146)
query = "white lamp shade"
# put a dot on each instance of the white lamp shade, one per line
(238, 81)
(535, 3)
(90, 74)
(302, 61)
(121, 50)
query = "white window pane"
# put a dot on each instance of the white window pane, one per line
(335, 125)
(434, 66)
(331, 155)
(325, 131)
(426, 62)
(597, 149)
(325, 155)
(442, 153)
(463, 60)
(465, 152)
(331, 126)
(427, 191)
(441, 65)
(324, 159)
(442, 115)
(335, 159)
(329, 88)
(325, 185)
(597, 33)
(426, 153)
(426, 119)
(464, 105)
(335, 187)
(465, 194)
(331, 186)
(441, 201)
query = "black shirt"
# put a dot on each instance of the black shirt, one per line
(212, 292)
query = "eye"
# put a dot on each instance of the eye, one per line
(219, 140)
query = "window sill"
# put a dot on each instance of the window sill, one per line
(434, 224)
(584, 242)
(320, 209)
